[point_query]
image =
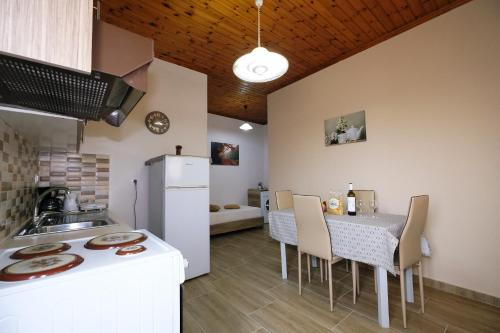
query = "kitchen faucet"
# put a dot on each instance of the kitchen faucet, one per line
(36, 217)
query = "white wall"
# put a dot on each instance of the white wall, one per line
(229, 184)
(178, 92)
(432, 101)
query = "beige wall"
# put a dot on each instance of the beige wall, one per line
(432, 101)
(178, 92)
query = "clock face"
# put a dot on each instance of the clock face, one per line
(157, 122)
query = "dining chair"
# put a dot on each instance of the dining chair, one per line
(313, 237)
(410, 251)
(284, 199)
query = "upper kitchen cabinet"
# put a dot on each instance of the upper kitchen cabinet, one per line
(53, 32)
(45, 131)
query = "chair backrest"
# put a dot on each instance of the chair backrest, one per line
(312, 231)
(410, 250)
(366, 196)
(284, 199)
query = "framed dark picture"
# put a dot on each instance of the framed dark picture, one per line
(225, 154)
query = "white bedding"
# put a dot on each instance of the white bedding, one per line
(229, 215)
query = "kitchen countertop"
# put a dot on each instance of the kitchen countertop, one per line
(9, 242)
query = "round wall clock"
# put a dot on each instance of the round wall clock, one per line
(157, 122)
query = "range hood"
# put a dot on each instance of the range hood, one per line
(120, 60)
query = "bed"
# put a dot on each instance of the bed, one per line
(227, 220)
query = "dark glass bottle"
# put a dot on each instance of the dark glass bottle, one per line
(351, 201)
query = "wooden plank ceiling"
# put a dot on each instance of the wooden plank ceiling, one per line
(209, 35)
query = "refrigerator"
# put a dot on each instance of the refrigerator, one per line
(179, 207)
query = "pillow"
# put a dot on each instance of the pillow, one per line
(214, 208)
(232, 206)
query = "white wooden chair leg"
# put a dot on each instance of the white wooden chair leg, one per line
(309, 268)
(300, 272)
(357, 278)
(284, 273)
(330, 284)
(421, 285)
(354, 292)
(403, 296)
(321, 270)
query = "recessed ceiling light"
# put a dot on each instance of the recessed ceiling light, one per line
(246, 127)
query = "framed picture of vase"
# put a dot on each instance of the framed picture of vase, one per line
(224, 154)
(343, 129)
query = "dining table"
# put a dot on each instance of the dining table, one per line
(369, 238)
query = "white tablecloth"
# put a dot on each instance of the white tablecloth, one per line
(367, 239)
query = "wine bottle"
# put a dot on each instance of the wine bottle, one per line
(351, 201)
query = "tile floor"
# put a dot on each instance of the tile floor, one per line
(245, 293)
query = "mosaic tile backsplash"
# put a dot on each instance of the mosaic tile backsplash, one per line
(18, 167)
(86, 174)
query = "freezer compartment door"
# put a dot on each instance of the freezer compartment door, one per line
(186, 171)
(187, 227)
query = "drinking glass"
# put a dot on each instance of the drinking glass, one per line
(361, 207)
(373, 207)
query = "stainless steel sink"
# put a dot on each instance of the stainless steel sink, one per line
(58, 222)
(71, 226)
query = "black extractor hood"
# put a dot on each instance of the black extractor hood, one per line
(120, 60)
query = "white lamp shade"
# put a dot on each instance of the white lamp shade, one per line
(260, 65)
(246, 127)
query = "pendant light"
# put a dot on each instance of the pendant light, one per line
(246, 127)
(260, 65)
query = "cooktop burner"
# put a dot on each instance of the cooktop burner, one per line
(129, 250)
(40, 250)
(40, 267)
(114, 240)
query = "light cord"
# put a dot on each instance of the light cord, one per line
(258, 25)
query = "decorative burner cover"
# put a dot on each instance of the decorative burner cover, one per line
(40, 250)
(118, 239)
(40, 267)
(132, 249)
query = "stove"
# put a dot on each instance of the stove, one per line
(40, 250)
(130, 287)
(114, 240)
(39, 267)
(130, 250)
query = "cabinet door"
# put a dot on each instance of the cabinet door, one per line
(253, 197)
(54, 32)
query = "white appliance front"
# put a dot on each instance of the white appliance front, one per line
(264, 205)
(186, 171)
(187, 228)
(105, 293)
